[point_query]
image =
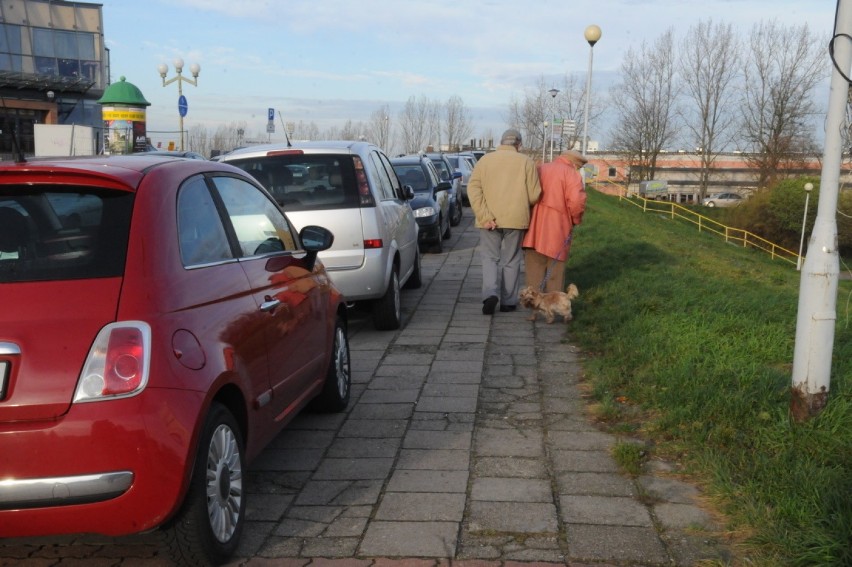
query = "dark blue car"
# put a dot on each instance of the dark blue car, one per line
(431, 203)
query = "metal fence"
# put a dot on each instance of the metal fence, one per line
(730, 234)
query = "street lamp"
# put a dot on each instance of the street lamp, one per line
(553, 93)
(592, 35)
(195, 68)
(808, 188)
(544, 142)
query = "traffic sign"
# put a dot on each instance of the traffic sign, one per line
(271, 114)
(182, 105)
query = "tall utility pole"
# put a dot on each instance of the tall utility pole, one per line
(818, 292)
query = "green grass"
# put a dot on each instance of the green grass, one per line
(691, 345)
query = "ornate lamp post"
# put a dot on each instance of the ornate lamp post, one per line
(592, 35)
(808, 188)
(195, 69)
(553, 93)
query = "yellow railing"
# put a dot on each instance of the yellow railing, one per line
(730, 234)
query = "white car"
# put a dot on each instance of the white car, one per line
(351, 189)
(723, 200)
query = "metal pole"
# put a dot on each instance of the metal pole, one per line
(180, 115)
(818, 292)
(552, 120)
(544, 142)
(592, 35)
(808, 188)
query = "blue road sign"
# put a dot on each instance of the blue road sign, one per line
(182, 105)
(271, 114)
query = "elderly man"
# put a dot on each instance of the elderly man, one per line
(548, 240)
(502, 189)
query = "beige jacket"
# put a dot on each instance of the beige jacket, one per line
(503, 187)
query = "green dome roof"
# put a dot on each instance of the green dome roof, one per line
(123, 92)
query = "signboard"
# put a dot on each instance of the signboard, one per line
(270, 126)
(182, 106)
(271, 114)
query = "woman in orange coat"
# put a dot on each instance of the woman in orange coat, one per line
(548, 239)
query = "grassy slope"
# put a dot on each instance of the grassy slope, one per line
(692, 345)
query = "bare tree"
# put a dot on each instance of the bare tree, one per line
(783, 67)
(414, 123)
(529, 115)
(458, 125)
(646, 104)
(708, 65)
(378, 128)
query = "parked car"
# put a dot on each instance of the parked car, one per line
(723, 200)
(350, 188)
(149, 351)
(447, 173)
(463, 164)
(172, 153)
(431, 203)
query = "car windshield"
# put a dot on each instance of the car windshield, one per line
(412, 175)
(61, 233)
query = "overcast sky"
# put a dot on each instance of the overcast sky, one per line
(329, 61)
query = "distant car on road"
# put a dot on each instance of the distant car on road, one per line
(723, 200)
(463, 163)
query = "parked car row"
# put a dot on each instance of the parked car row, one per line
(162, 321)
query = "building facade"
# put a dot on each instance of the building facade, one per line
(54, 67)
(731, 172)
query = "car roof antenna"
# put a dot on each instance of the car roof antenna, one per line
(19, 154)
(284, 127)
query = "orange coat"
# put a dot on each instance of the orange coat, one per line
(562, 204)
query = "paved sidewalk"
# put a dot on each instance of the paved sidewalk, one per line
(465, 443)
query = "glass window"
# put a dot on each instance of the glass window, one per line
(65, 44)
(305, 182)
(611, 172)
(43, 42)
(10, 38)
(86, 45)
(57, 233)
(258, 223)
(202, 237)
(397, 186)
(385, 186)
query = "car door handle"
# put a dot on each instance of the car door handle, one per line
(269, 304)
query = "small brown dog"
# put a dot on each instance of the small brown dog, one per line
(549, 304)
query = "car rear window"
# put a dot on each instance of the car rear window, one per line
(302, 182)
(60, 233)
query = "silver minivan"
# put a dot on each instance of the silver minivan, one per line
(351, 189)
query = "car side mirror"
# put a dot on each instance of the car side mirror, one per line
(315, 239)
(443, 186)
(407, 192)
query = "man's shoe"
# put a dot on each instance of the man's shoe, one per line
(508, 308)
(489, 304)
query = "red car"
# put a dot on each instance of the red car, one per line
(160, 323)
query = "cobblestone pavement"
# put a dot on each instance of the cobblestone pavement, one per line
(465, 443)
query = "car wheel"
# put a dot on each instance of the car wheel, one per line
(338, 381)
(387, 313)
(208, 527)
(438, 244)
(416, 279)
(448, 232)
(711, 204)
(457, 213)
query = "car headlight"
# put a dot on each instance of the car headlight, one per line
(425, 212)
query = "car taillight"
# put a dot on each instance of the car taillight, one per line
(117, 365)
(366, 198)
(373, 243)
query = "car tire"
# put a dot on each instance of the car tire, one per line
(438, 244)
(457, 214)
(415, 280)
(387, 311)
(207, 529)
(711, 204)
(337, 388)
(448, 233)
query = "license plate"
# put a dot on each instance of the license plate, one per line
(4, 366)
